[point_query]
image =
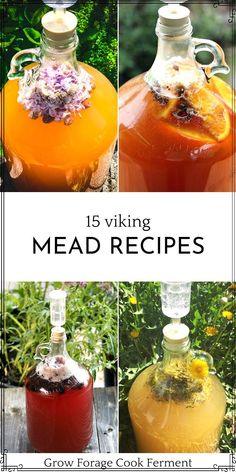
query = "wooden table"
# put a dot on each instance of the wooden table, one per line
(104, 437)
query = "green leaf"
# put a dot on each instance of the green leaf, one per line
(32, 35)
(37, 15)
(12, 13)
(7, 40)
(34, 17)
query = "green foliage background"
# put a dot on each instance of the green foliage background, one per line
(138, 42)
(97, 30)
(208, 301)
(91, 325)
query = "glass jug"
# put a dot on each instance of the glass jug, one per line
(59, 399)
(60, 115)
(177, 405)
(176, 120)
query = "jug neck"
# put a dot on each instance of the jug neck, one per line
(174, 32)
(59, 51)
(175, 344)
(178, 355)
(174, 69)
(58, 342)
(172, 47)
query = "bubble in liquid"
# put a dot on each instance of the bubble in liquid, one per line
(59, 3)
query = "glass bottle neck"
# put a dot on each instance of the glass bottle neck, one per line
(58, 342)
(58, 348)
(59, 51)
(175, 353)
(175, 69)
(170, 356)
(171, 47)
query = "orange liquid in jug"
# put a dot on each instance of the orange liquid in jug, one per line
(176, 145)
(177, 427)
(53, 156)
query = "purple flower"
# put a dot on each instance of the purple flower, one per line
(55, 92)
(83, 284)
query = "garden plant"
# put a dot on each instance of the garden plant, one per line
(91, 326)
(138, 42)
(97, 31)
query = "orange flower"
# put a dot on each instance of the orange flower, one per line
(211, 330)
(227, 314)
(232, 286)
(134, 333)
(133, 300)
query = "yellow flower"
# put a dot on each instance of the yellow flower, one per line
(133, 300)
(232, 286)
(134, 333)
(211, 331)
(199, 368)
(227, 314)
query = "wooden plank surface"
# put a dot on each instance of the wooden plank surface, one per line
(106, 419)
(104, 437)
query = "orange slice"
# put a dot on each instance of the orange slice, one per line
(225, 91)
(196, 135)
(193, 134)
(166, 110)
(163, 111)
(213, 112)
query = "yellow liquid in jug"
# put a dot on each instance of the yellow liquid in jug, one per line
(177, 427)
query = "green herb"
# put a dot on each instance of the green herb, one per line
(178, 388)
(91, 326)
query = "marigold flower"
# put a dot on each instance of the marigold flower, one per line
(134, 333)
(133, 300)
(211, 330)
(227, 314)
(199, 368)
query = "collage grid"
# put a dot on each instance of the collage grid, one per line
(93, 180)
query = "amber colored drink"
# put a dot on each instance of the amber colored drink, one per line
(56, 157)
(177, 427)
(59, 415)
(176, 145)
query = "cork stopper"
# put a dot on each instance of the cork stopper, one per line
(173, 15)
(176, 336)
(59, 25)
(58, 335)
(174, 20)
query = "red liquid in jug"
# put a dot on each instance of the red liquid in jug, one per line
(59, 414)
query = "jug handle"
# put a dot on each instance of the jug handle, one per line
(41, 347)
(20, 58)
(218, 65)
(198, 354)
